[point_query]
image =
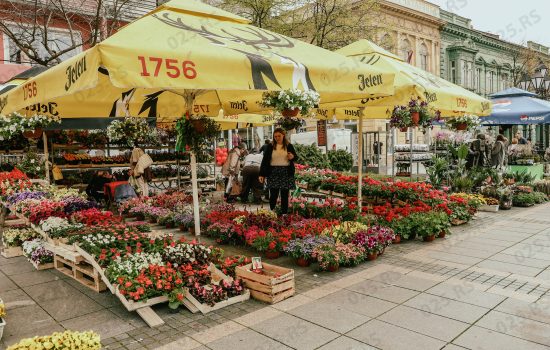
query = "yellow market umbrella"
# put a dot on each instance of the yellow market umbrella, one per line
(410, 82)
(202, 56)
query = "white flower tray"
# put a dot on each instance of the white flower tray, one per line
(489, 208)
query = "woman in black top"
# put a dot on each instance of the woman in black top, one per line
(278, 169)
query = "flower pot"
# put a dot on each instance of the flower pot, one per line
(505, 205)
(333, 268)
(182, 228)
(192, 230)
(441, 234)
(461, 126)
(403, 129)
(415, 117)
(33, 134)
(372, 256)
(382, 251)
(287, 112)
(428, 238)
(272, 254)
(303, 262)
(396, 240)
(169, 225)
(198, 125)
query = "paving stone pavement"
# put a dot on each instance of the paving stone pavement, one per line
(486, 286)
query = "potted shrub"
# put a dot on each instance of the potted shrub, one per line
(301, 249)
(340, 160)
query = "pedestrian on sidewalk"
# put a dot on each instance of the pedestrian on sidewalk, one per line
(277, 169)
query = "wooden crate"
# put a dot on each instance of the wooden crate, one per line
(276, 284)
(42, 266)
(11, 252)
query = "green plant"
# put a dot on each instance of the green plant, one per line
(195, 133)
(32, 165)
(327, 255)
(523, 200)
(470, 120)
(524, 177)
(130, 131)
(15, 124)
(312, 156)
(340, 160)
(462, 184)
(437, 171)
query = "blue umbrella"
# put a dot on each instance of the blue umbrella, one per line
(516, 106)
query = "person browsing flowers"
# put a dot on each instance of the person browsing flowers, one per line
(277, 169)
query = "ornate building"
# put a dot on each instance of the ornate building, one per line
(475, 60)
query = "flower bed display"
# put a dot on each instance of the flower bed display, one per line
(67, 340)
(13, 238)
(40, 257)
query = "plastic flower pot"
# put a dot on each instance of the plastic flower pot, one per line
(441, 234)
(372, 256)
(198, 125)
(403, 129)
(382, 251)
(461, 126)
(33, 134)
(415, 117)
(332, 267)
(272, 254)
(169, 225)
(428, 238)
(303, 262)
(182, 228)
(397, 239)
(287, 112)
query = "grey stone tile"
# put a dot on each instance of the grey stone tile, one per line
(33, 277)
(358, 303)
(509, 267)
(466, 293)
(345, 343)
(331, 315)
(6, 283)
(447, 307)
(383, 291)
(27, 322)
(386, 336)
(517, 326)
(246, 339)
(51, 290)
(424, 322)
(405, 281)
(104, 322)
(70, 307)
(485, 339)
(453, 347)
(16, 298)
(17, 268)
(294, 332)
(16, 260)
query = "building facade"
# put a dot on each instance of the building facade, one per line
(475, 60)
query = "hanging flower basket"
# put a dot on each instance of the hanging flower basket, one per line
(33, 134)
(290, 112)
(403, 129)
(199, 126)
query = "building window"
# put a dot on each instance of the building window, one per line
(453, 72)
(424, 58)
(405, 51)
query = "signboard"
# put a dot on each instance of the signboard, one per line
(321, 133)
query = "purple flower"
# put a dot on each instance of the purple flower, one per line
(18, 197)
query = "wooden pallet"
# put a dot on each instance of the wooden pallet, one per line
(82, 272)
(11, 252)
(274, 285)
(195, 306)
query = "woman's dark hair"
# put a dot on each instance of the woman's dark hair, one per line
(501, 137)
(285, 141)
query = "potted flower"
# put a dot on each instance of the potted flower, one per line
(2, 317)
(31, 127)
(291, 102)
(301, 249)
(268, 242)
(194, 133)
(463, 122)
(167, 220)
(328, 257)
(401, 118)
(67, 340)
(130, 131)
(184, 221)
(350, 254)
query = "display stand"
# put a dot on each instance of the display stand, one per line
(406, 154)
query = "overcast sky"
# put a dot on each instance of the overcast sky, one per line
(515, 21)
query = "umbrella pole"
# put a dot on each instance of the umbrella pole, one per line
(46, 156)
(360, 161)
(189, 101)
